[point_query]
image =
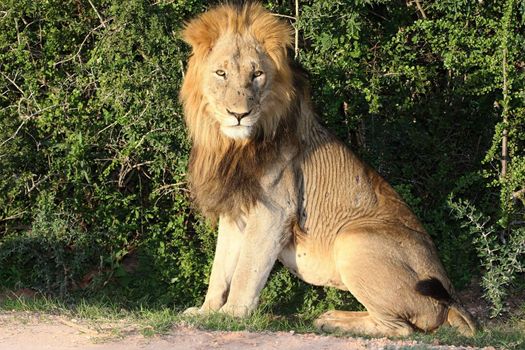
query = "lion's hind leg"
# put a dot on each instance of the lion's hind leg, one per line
(361, 323)
(374, 265)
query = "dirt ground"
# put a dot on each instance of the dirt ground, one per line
(29, 331)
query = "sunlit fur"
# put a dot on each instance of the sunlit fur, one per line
(284, 188)
(224, 169)
(202, 33)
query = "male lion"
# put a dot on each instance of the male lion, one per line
(282, 187)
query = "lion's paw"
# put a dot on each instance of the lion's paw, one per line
(326, 324)
(235, 310)
(193, 311)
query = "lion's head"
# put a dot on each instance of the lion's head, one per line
(239, 81)
(240, 101)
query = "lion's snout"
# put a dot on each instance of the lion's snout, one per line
(238, 115)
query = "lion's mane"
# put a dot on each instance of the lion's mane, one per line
(224, 173)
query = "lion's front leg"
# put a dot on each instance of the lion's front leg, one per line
(229, 242)
(266, 233)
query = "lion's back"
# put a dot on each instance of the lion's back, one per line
(338, 189)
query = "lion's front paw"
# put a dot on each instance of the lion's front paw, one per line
(207, 308)
(193, 311)
(236, 310)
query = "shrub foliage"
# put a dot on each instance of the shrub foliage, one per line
(93, 149)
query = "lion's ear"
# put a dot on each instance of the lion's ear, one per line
(202, 32)
(198, 35)
(274, 33)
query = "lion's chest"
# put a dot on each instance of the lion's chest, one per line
(311, 265)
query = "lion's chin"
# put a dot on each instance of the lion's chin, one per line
(239, 132)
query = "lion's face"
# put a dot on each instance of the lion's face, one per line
(237, 83)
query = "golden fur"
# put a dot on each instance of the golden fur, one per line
(284, 188)
(202, 33)
(224, 172)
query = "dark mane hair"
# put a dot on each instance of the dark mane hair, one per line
(228, 182)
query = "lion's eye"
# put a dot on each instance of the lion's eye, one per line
(257, 73)
(220, 73)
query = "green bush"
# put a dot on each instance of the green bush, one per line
(90, 117)
(50, 256)
(93, 150)
(501, 260)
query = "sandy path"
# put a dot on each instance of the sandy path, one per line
(31, 331)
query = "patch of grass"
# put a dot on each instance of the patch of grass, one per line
(100, 313)
(39, 304)
(157, 321)
(505, 336)
(150, 320)
(259, 321)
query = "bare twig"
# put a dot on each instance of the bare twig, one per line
(296, 29)
(170, 188)
(378, 15)
(284, 16)
(176, 185)
(506, 87)
(390, 74)
(38, 182)
(14, 83)
(505, 137)
(107, 127)
(77, 326)
(81, 45)
(12, 217)
(143, 138)
(517, 223)
(163, 2)
(98, 14)
(125, 170)
(14, 134)
(181, 68)
(420, 8)
(34, 114)
(17, 33)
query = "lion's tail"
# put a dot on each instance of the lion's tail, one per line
(457, 316)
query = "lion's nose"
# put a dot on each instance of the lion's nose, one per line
(238, 115)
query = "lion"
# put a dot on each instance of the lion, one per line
(282, 187)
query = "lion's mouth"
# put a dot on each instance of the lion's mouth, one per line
(238, 131)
